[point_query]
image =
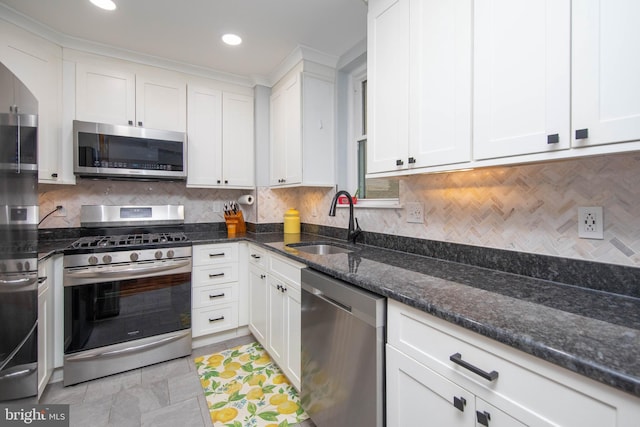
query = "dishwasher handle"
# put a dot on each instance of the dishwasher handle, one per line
(330, 300)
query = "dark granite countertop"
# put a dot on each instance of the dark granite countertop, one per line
(591, 332)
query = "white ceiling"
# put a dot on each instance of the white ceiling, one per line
(188, 31)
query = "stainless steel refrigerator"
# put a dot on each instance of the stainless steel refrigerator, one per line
(18, 239)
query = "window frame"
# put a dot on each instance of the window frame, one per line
(356, 134)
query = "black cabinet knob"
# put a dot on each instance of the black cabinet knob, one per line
(483, 418)
(412, 160)
(54, 175)
(130, 122)
(139, 123)
(582, 133)
(553, 138)
(399, 162)
(459, 403)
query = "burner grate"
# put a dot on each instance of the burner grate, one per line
(124, 240)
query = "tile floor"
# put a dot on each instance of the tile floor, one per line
(167, 394)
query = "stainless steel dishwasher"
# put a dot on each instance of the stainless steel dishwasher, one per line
(343, 336)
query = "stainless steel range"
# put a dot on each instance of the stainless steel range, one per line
(127, 291)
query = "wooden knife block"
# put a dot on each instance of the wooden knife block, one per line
(236, 219)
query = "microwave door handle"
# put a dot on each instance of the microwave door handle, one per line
(125, 272)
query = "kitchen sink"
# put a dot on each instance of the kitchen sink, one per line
(324, 248)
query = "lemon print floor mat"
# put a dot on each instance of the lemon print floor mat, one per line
(244, 387)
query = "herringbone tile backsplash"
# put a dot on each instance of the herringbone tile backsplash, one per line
(529, 208)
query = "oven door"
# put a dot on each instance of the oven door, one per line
(125, 316)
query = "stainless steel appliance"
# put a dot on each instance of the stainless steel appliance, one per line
(127, 291)
(343, 336)
(18, 239)
(103, 150)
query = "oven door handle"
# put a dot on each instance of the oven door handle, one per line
(125, 272)
(128, 350)
(18, 283)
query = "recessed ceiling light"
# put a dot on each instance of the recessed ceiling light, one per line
(232, 39)
(104, 4)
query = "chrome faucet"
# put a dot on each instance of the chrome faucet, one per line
(353, 232)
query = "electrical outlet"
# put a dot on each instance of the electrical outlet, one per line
(591, 222)
(415, 212)
(217, 206)
(60, 212)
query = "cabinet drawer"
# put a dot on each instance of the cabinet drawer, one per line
(257, 256)
(432, 341)
(215, 254)
(223, 273)
(208, 296)
(285, 269)
(215, 319)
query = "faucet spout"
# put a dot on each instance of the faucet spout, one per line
(354, 230)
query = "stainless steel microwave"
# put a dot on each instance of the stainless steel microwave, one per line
(128, 152)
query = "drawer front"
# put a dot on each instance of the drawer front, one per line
(433, 341)
(285, 269)
(215, 319)
(223, 273)
(215, 254)
(209, 296)
(257, 256)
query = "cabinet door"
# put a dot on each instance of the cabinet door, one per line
(387, 85)
(417, 396)
(276, 320)
(521, 77)
(104, 95)
(606, 66)
(258, 291)
(161, 103)
(204, 166)
(494, 417)
(440, 81)
(277, 170)
(237, 137)
(286, 138)
(38, 64)
(293, 310)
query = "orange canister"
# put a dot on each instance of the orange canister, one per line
(292, 221)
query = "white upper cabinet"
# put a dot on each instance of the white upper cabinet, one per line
(220, 135)
(302, 150)
(104, 95)
(161, 103)
(440, 83)
(606, 66)
(387, 85)
(117, 95)
(521, 88)
(38, 64)
(238, 140)
(419, 84)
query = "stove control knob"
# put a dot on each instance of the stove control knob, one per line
(107, 259)
(27, 266)
(19, 266)
(158, 254)
(170, 253)
(133, 256)
(93, 260)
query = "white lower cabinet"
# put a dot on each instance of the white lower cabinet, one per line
(45, 323)
(425, 387)
(275, 308)
(215, 289)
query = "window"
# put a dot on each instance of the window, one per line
(380, 191)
